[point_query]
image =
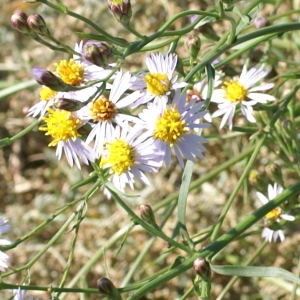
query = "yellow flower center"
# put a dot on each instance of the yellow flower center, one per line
(121, 156)
(103, 110)
(274, 214)
(158, 84)
(118, 2)
(169, 127)
(234, 91)
(61, 125)
(70, 72)
(46, 94)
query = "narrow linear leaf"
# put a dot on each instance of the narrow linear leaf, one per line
(253, 271)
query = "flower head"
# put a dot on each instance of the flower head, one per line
(4, 258)
(63, 127)
(241, 91)
(169, 127)
(159, 81)
(129, 155)
(106, 111)
(272, 219)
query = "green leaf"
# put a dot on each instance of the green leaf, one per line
(62, 7)
(290, 75)
(252, 271)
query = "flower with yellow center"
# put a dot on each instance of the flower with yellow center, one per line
(273, 218)
(70, 72)
(47, 97)
(63, 126)
(103, 110)
(121, 156)
(241, 91)
(170, 128)
(128, 155)
(158, 83)
(106, 111)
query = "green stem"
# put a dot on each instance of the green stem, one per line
(237, 188)
(148, 227)
(212, 249)
(85, 20)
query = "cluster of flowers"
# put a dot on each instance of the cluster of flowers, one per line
(97, 121)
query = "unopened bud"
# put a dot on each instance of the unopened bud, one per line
(97, 53)
(202, 268)
(147, 214)
(260, 22)
(121, 10)
(68, 104)
(38, 24)
(192, 44)
(274, 172)
(106, 287)
(47, 78)
(19, 21)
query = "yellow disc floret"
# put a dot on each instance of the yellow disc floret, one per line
(169, 127)
(61, 126)
(235, 91)
(121, 156)
(274, 214)
(103, 110)
(46, 94)
(70, 72)
(158, 84)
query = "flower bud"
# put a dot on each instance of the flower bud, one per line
(274, 172)
(48, 79)
(106, 287)
(147, 214)
(192, 44)
(19, 21)
(121, 10)
(202, 268)
(68, 104)
(97, 53)
(260, 22)
(37, 24)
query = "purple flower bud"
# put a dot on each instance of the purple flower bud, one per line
(192, 44)
(19, 21)
(68, 104)
(121, 10)
(97, 53)
(202, 268)
(37, 24)
(260, 22)
(106, 287)
(147, 214)
(47, 78)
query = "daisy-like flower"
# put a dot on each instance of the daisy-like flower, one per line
(272, 219)
(170, 128)
(20, 295)
(63, 127)
(199, 93)
(4, 258)
(159, 81)
(129, 155)
(242, 91)
(77, 72)
(47, 97)
(105, 112)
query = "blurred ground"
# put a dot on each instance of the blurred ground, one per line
(34, 185)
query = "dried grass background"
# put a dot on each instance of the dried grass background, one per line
(34, 184)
